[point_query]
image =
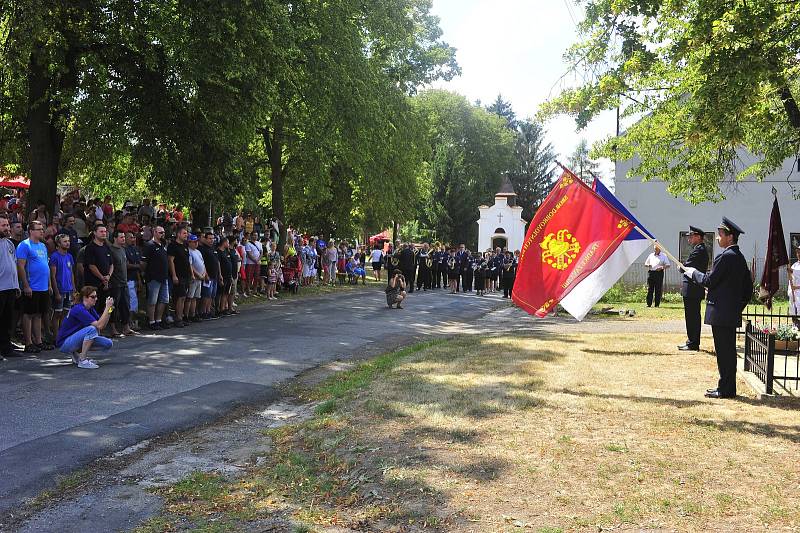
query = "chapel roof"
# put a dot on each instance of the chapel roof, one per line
(506, 189)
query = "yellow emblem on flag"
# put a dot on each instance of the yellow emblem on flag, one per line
(560, 249)
(623, 224)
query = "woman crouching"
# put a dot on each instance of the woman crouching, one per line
(396, 291)
(80, 331)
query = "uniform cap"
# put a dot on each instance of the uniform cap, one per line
(729, 226)
(192, 237)
(694, 230)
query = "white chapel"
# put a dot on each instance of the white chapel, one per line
(501, 224)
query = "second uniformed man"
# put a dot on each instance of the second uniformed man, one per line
(693, 293)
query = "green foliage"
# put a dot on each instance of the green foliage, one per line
(470, 149)
(704, 79)
(581, 164)
(532, 173)
(620, 293)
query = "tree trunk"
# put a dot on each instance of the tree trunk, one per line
(200, 218)
(45, 139)
(273, 142)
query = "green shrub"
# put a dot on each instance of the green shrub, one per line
(619, 294)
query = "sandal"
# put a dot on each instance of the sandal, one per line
(31, 348)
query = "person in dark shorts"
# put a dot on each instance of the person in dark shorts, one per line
(34, 278)
(180, 272)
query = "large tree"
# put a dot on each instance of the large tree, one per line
(704, 79)
(470, 150)
(532, 173)
(581, 163)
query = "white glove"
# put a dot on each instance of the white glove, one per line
(689, 272)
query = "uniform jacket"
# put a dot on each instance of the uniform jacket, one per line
(697, 259)
(729, 288)
(407, 259)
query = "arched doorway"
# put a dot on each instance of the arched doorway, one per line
(499, 240)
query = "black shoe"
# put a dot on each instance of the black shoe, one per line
(687, 348)
(178, 324)
(717, 396)
(708, 391)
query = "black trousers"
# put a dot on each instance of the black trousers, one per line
(122, 306)
(508, 284)
(443, 273)
(7, 299)
(691, 315)
(424, 278)
(655, 286)
(408, 273)
(466, 280)
(725, 346)
(437, 280)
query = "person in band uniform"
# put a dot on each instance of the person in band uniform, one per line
(467, 266)
(453, 271)
(691, 292)
(730, 287)
(424, 268)
(407, 264)
(434, 256)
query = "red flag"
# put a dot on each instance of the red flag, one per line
(573, 232)
(776, 257)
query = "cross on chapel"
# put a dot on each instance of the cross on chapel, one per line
(500, 218)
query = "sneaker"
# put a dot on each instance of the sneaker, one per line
(213, 317)
(177, 324)
(87, 364)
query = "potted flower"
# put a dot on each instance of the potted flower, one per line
(787, 337)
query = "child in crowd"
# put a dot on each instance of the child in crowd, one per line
(273, 276)
(480, 277)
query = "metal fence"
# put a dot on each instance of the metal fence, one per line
(763, 356)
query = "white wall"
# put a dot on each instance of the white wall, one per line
(747, 203)
(512, 222)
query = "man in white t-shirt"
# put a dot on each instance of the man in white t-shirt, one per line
(656, 263)
(252, 259)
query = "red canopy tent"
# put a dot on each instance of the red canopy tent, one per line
(382, 236)
(15, 182)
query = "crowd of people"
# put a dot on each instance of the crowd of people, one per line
(75, 277)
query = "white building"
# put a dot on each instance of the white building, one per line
(747, 203)
(501, 225)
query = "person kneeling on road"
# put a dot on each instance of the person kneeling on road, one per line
(80, 331)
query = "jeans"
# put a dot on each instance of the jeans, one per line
(157, 291)
(133, 296)
(74, 343)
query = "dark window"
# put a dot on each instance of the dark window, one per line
(499, 230)
(685, 248)
(794, 240)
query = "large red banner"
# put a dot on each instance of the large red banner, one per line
(573, 232)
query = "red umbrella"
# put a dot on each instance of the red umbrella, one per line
(15, 182)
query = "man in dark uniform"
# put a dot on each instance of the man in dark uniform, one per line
(693, 293)
(467, 271)
(443, 258)
(435, 279)
(424, 267)
(406, 258)
(729, 289)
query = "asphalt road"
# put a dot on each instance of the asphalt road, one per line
(56, 418)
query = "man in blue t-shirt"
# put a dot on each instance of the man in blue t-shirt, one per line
(62, 278)
(34, 278)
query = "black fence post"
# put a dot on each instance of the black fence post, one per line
(747, 332)
(770, 363)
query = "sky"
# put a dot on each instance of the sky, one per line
(515, 48)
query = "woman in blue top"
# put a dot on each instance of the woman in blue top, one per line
(80, 331)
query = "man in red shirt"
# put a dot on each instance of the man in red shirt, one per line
(129, 224)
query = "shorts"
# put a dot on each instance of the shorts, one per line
(37, 303)
(181, 288)
(263, 271)
(376, 266)
(63, 302)
(227, 286)
(157, 291)
(209, 289)
(251, 271)
(195, 288)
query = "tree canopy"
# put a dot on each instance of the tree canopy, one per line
(706, 80)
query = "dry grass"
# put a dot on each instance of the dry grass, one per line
(558, 434)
